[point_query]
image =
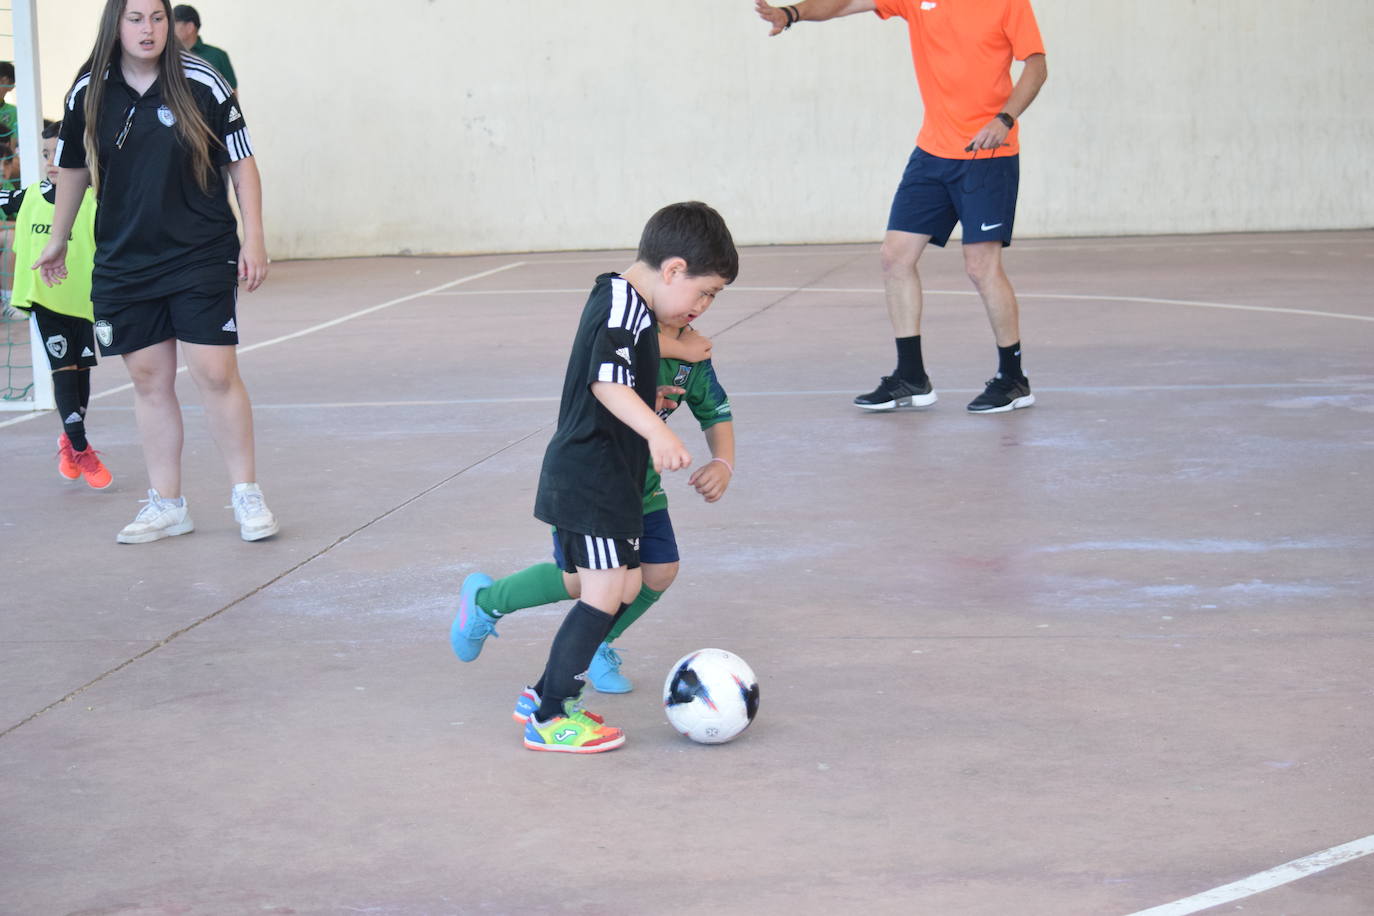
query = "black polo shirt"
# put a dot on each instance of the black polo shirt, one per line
(156, 231)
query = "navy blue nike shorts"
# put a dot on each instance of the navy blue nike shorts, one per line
(936, 193)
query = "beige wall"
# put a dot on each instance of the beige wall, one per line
(452, 126)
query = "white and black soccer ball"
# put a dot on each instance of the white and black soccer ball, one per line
(711, 696)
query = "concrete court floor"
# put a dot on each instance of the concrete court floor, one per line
(1088, 658)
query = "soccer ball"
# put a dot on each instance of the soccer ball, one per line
(711, 696)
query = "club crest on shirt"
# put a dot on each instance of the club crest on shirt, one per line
(104, 332)
(164, 114)
(57, 346)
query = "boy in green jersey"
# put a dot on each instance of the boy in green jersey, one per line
(63, 313)
(686, 375)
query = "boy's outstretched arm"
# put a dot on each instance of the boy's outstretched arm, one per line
(665, 448)
(687, 345)
(712, 478)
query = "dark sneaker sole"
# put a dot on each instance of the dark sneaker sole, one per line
(1017, 404)
(915, 400)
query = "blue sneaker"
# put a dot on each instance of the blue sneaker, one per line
(604, 672)
(472, 625)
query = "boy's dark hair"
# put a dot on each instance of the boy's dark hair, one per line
(51, 128)
(7, 71)
(694, 232)
(185, 12)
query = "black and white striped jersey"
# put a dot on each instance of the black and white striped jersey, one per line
(155, 229)
(592, 480)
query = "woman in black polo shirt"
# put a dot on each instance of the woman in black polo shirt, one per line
(155, 130)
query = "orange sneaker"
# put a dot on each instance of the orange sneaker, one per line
(89, 464)
(66, 459)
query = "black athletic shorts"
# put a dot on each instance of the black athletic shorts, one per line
(70, 341)
(587, 551)
(202, 314)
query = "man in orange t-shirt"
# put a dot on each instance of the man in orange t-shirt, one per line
(965, 169)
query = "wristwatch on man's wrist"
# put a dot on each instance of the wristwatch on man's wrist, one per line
(1006, 119)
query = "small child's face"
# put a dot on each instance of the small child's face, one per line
(681, 299)
(50, 158)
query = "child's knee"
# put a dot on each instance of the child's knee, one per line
(658, 576)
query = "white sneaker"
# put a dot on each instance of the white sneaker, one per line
(256, 521)
(160, 518)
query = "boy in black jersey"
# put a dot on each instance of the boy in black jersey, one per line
(592, 481)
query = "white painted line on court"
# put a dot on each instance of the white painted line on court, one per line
(310, 330)
(1265, 880)
(788, 393)
(1078, 297)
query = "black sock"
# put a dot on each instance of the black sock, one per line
(573, 647)
(1009, 362)
(910, 366)
(84, 375)
(66, 390)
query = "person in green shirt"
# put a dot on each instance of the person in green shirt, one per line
(686, 376)
(188, 33)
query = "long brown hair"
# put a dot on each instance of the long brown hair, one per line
(192, 130)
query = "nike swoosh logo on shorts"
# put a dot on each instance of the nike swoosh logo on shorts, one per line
(986, 227)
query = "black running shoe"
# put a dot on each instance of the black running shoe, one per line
(893, 392)
(1002, 395)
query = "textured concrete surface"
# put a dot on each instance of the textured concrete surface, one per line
(1087, 658)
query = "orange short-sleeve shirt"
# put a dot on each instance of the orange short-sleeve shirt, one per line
(962, 50)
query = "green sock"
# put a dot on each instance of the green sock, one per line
(642, 603)
(539, 584)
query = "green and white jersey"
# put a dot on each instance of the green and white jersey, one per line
(705, 398)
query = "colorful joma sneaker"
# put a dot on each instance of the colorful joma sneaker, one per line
(604, 672)
(575, 732)
(528, 702)
(472, 625)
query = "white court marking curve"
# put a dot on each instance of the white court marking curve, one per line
(1077, 297)
(1265, 880)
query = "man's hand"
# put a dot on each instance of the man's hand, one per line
(993, 135)
(772, 15)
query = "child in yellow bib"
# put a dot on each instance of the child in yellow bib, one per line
(62, 313)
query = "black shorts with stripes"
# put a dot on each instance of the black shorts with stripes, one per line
(587, 551)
